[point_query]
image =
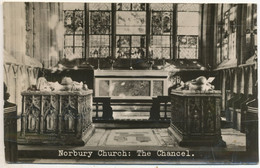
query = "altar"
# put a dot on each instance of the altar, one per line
(130, 84)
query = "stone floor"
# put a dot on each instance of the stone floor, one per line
(130, 139)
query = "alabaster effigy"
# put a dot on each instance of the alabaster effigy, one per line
(56, 115)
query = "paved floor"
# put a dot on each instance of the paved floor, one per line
(151, 139)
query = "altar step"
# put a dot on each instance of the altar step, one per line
(131, 123)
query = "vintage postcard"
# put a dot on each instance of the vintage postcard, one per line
(130, 83)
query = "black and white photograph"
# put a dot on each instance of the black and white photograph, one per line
(107, 83)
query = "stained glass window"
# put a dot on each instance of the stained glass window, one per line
(162, 7)
(131, 7)
(100, 30)
(74, 37)
(226, 32)
(161, 31)
(188, 16)
(130, 30)
(188, 47)
(133, 46)
(130, 22)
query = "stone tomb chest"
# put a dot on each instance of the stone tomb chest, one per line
(56, 117)
(195, 118)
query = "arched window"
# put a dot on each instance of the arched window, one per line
(133, 31)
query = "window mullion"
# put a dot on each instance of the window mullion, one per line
(73, 48)
(174, 33)
(148, 33)
(113, 30)
(87, 44)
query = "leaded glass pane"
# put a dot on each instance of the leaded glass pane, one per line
(188, 53)
(138, 41)
(69, 40)
(78, 22)
(100, 6)
(92, 52)
(188, 19)
(166, 53)
(165, 41)
(100, 30)
(73, 6)
(138, 52)
(138, 6)
(162, 7)
(123, 6)
(189, 7)
(68, 52)
(160, 41)
(78, 41)
(130, 22)
(100, 23)
(188, 47)
(104, 52)
(161, 23)
(188, 30)
(188, 41)
(94, 40)
(157, 23)
(156, 41)
(157, 53)
(123, 41)
(68, 18)
(100, 52)
(78, 52)
(100, 44)
(166, 22)
(122, 52)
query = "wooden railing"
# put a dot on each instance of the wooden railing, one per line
(156, 109)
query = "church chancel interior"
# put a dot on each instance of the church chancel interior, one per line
(153, 82)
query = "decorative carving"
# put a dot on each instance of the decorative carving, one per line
(33, 113)
(195, 115)
(50, 112)
(55, 116)
(69, 113)
(209, 114)
(195, 118)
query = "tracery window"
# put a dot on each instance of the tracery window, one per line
(251, 31)
(188, 16)
(130, 30)
(226, 32)
(161, 30)
(100, 30)
(74, 37)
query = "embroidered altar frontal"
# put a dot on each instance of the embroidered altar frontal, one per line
(57, 117)
(195, 118)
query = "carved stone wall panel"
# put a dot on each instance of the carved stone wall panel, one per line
(196, 118)
(56, 117)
